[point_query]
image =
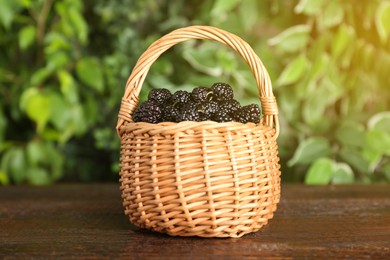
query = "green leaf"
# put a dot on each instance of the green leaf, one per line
(14, 164)
(27, 37)
(380, 121)
(159, 80)
(81, 27)
(292, 39)
(68, 86)
(3, 178)
(386, 170)
(56, 42)
(355, 158)
(377, 145)
(342, 40)
(309, 7)
(319, 67)
(3, 125)
(227, 60)
(26, 96)
(58, 60)
(314, 108)
(310, 150)
(8, 11)
(45, 163)
(367, 54)
(332, 15)
(50, 134)
(343, 174)
(350, 133)
(201, 80)
(203, 59)
(25, 3)
(373, 157)
(41, 75)
(73, 121)
(34, 152)
(90, 73)
(294, 71)
(37, 107)
(60, 115)
(382, 21)
(56, 161)
(162, 66)
(223, 7)
(91, 111)
(315, 104)
(62, 9)
(320, 172)
(346, 58)
(38, 176)
(289, 103)
(78, 118)
(249, 14)
(378, 140)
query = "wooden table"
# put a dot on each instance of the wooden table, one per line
(87, 221)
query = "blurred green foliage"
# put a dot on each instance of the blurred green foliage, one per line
(64, 64)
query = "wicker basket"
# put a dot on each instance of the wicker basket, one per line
(203, 179)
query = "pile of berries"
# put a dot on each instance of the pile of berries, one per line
(216, 103)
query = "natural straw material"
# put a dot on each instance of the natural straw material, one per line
(203, 179)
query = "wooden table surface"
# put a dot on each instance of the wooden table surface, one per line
(87, 221)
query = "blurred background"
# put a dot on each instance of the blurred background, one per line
(64, 65)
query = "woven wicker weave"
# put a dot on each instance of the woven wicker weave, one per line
(203, 179)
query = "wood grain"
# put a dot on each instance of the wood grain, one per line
(87, 221)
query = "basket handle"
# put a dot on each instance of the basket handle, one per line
(134, 83)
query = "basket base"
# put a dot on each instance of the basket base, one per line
(234, 232)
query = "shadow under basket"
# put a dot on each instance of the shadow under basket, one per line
(204, 179)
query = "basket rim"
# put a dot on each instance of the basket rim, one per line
(189, 127)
